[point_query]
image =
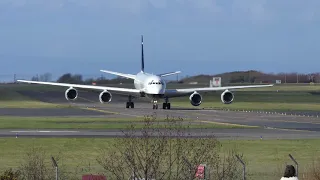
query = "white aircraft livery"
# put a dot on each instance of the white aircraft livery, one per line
(150, 86)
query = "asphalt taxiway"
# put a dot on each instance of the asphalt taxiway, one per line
(271, 125)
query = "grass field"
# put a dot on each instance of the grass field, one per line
(265, 159)
(97, 123)
(11, 99)
(271, 101)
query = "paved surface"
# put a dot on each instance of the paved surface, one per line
(219, 133)
(272, 124)
(25, 112)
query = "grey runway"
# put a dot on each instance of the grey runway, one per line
(218, 133)
(27, 112)
(233, 117)
(271, 125)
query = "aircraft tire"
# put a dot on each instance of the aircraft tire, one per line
(164, 106)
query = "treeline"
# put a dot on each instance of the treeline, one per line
(229, 77)
(256, 77)
(78, 79)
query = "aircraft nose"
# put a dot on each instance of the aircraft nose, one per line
(156, 90)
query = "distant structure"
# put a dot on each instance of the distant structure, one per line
(215, 82)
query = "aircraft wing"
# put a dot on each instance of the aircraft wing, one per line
(187, 91)
(130, 76)
(115, 89)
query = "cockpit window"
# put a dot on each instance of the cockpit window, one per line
(155, 82)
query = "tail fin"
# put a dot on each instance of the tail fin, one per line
(142, 55)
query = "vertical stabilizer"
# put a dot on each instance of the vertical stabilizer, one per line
(142, 55)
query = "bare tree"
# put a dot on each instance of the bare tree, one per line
(37, 165)
(45, 77)
(165, 150)
(10, 174)
(34, 166)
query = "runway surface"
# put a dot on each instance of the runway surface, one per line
(271, 125)
(48, 112)
(218, 133)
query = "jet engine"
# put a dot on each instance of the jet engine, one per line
(227, 97)
(71, 94)
(105, 97)
(195, 99)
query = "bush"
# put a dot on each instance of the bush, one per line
(165, 150)
(10, 175)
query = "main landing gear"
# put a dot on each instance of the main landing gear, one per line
(166, 104)
(130, 103)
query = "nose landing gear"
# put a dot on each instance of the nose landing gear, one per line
(155, 104)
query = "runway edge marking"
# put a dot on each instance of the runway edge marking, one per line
(230, 124)
(109, 112)
(35, 131)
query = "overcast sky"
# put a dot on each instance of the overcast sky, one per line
(194, 36)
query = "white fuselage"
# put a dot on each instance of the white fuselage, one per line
(153, 86)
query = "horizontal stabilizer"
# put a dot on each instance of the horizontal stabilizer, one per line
(169, 74)
(130, 76)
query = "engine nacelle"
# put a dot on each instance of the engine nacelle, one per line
(227, 97)
(195, 99)
(71, 94)
(105, 97)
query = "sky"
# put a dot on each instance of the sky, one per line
(194, 36)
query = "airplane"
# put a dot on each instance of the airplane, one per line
(150, 86)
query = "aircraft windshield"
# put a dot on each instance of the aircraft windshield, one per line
(155, 82)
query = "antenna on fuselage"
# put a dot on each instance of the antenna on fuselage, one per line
(142, 55)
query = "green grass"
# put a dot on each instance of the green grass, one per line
(272, 101)
(31, 87)
(286, 87)
(264, 158)
(284, 107)
(97, 123)
(267, 157)
(12, 99)
(30, 104)
(274, 97)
